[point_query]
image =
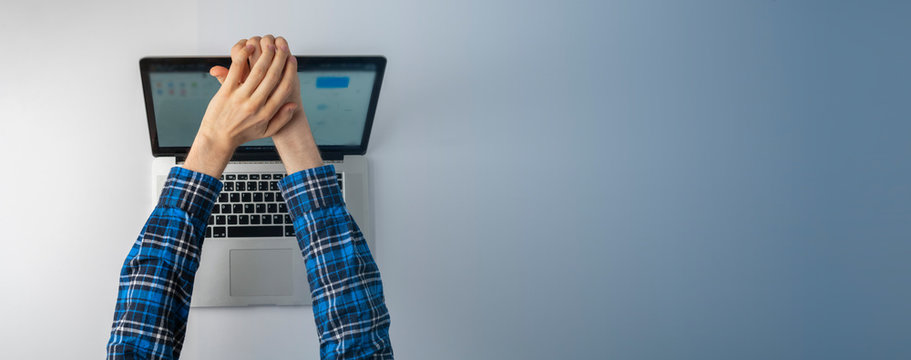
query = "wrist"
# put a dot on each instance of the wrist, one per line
(296, 146)
(208, 155)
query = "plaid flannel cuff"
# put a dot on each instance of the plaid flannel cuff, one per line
(311, 189)
(190, 191)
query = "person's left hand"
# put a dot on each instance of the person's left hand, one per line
(246, 107)
(294, 142)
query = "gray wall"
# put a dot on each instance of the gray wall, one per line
(565, 179)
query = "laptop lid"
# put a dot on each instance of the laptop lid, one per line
(339, 95)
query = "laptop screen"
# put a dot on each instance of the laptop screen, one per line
(339, 98)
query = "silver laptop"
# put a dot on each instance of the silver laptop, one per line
(250, 255)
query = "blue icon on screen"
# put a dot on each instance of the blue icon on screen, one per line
(332, 82)
(322, 107)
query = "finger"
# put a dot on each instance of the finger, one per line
(285, 87)
(239, 54)
(280, 119)
(260, 67)
(279, 62)
(219, 72)
(257, 49)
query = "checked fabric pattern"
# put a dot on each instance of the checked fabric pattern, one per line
(156, 281)
(153, 300)
(348, 304)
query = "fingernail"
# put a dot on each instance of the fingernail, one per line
(271, 47)
(284, 47)
(293, 59)
(249, 47)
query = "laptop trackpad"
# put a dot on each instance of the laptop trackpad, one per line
(262, 272)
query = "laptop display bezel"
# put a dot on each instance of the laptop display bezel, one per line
(329, 152)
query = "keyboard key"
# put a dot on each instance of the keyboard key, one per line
(339, 184)
(273, 186)
(223, 197)
(241, 176)
(216, 209)
(232, 219)
(220, 220)
(241, 186)
(254, 219)
(209, 232)
(278, 197)
(218, 231)
(251, 185)
(287, 219)
(243, 219)
(229, 186)
(248, 208)
(254, 176)
(269, 197)
(277, 176)
(267, 219)
(289, 230)
(339, 175)
(273, 208)
(237, 209)
(263, 185)
(282, 208)
(234, 197)
(229, 176)
(266, 177)
(246, 197)
(277, 219)
(257, 197)
(260, 208)
(211, 220)
(255, 231)
(226, 209)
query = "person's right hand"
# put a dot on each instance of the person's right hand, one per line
(246, 107)
(294, 142)
(252, 106)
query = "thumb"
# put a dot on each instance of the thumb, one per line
(281, 118)
(219, 72)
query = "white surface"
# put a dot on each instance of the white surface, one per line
(732, 178)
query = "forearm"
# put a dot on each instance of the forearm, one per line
(296, 146)
(208, 155)
(157, 276)
(348, 303)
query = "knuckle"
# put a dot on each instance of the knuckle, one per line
(287, 87)
(247, 108)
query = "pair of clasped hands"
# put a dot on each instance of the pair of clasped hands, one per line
(259, 97)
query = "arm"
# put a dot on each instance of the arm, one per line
(351, 316)
(348, 303)
(157, 276)
(156, 281)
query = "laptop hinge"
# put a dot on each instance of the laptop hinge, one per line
(332, 156)
(328, 156)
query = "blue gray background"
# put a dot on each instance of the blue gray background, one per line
(551, 179)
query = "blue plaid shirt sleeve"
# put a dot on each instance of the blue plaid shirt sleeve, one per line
(156, 281)
(348, 305)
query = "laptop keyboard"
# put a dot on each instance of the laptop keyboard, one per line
(251, 205)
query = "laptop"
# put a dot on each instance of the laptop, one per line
(250, 255)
